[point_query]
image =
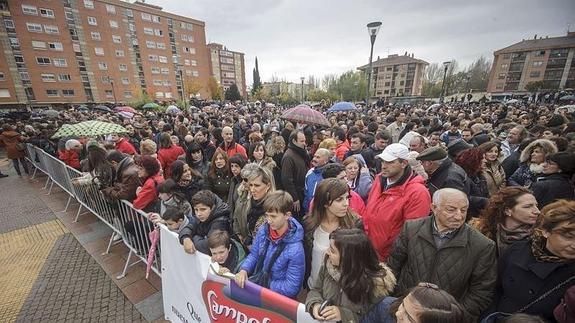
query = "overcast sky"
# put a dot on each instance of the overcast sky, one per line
(294, 38)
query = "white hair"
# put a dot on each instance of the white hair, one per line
(440, 194)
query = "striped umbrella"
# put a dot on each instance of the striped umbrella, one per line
(90, 128)
(304, 114)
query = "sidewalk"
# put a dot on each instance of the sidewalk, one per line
(54, 270)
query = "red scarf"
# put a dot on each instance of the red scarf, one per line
(275, 235)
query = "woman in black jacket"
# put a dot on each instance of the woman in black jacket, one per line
(556, 180)
(473, 162)
(188, 180)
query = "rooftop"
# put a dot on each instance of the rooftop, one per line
(395, 60)
(540, 43)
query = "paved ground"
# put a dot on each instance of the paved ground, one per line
(45, 272)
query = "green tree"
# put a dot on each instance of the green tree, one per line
(317, 95)
(232, 93)
(349, 86)
(256, 76)
(215, 89)
(536, 86)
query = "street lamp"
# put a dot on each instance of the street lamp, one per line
(113, 91)
(443, 86)
(302, 79)
(372, 29)
(184, 99)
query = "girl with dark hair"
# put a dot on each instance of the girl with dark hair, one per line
(149, 172)
(556, 180)
(237, 162)
(509, 217)
(257, 154)
(351, 279)
(219, 175)
(188, 180)
(97, 165)
(168, 153)
(473, 162)
(493, 172)
(171, 196)
(196, 159)
(330, 211)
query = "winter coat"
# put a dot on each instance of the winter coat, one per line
(448, 175)
(126, 183)
(380, 313)
(327, 287)
(268, 163)
(522, 279)
(312, 179)
(203, 167)
(125, 147)
(149, 192)
(510, 164)
(286, 274)
(294, 169)
(233, 193)
(195, 185)
(10, 140)
(395, 131)
(341, 150)
(167, 156)
(388, 208)
(236, 256)
(549, 188)
(220, 184)
(478, 195)
(525, 175)
(70, 158)
(464, 266)
(374, 164)
(495, 177)
(219, 219)
(233, 149)
(208, 149)
(241, 208)
(449, 137)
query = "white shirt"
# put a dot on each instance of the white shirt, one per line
(320, 246)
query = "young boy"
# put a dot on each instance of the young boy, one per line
(212, 214)
(227, 252)
(276, 260)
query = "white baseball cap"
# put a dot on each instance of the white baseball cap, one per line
(393, 152)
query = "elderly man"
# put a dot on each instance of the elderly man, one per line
(511, 144)
(444, 250)
(417, 143)
(294, 168)
(441, 171)
(230, 146)
(315, 175)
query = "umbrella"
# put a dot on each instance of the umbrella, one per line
(512, 101)
(90, 128)
(150, 105)
(433, 107)
(342, 106)
(126, 109)
(82, 108)
(567, 98)
(304, 114)
(570, 108)
(172, 109)
(50, 113)
(126, 114)
(102, 107)
(154, 238)
(270, 105)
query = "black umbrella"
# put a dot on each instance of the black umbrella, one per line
(102, 107)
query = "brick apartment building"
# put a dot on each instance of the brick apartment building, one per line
(78, 51)
(396, 75)
(549, 59)
(228, 67)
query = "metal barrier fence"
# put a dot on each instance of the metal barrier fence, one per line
(128, 225)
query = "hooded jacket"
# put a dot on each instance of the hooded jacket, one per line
(527, 172)
(286, 274)
(388, 208)
(126, 182)
(219, 219)
(10, 140)
(448, 175)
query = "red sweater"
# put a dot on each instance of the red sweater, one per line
(149, 192)
(125, 147)
(167, 156)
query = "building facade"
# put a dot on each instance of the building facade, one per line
(550, 60)
(228, 67)
(396, 75)
(82, 51)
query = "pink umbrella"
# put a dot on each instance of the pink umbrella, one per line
(154, 238)
(305, 114)
(125, 109)
(126, 114)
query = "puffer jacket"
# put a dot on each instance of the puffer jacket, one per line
(550, 188)
(219, 219)
(10, 140)
(327, 287)
(388, 208)
(465, 266)
(294, 169)
(286, 274)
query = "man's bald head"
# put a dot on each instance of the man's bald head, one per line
(228, 135)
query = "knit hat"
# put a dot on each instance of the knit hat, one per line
(564, 160)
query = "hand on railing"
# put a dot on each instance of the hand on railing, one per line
(241, 278)
(156, 218)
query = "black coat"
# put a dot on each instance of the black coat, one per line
(510, 164)
(522, 279)
(374, 164)
(448, 175)
(294, 169)
(551, 187)
(478, 195)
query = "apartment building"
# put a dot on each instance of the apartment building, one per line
(396, 75)
(228, 67)
(82, 51)
(549, 59)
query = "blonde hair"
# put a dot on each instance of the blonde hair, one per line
(148, 147)
(328, 143)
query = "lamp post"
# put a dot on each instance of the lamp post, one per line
(372, 29)
(184, 99)
(113, 92)
(443, 86)
(302, 79)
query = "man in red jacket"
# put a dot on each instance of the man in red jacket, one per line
(123, 145)
(398, 194)
(230, 146)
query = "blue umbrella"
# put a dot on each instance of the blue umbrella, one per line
(342, 106)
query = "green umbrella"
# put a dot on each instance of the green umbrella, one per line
(150, 105)
(88, 129)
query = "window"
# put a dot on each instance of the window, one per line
(504, 66)
(60, 62)
(168, 95)
(102, 66)
(38, 44)
(24, 76)
(387, 84)
(535, 74)
(109, 94)
(161, 45)
(113, 24)
(131, 27)
(119, 53)
(146, 16)
(538, 64)
(95, 35)
(89, 4)
(68, 92)
(48, 77)
(155, 70)
(502, 76)
(129, 13)
(76, 48)
(19, 58)
(64, 77)
(194, 62)
(159, 94)
(49, 29)
(29, 10)
(158, 82)
(111, 9)
(123, 67)
(499, 86)
(8, 23)
(150, 44)
(540, 53)
(99, 51)
(85, 79)
(195, 73)
(116, 39)
(52, 92)
(125, 80)
(69, 15)
(148, 31)
(165, 70)
(158, 32)
(167, 83)
(189, 26)
(128, 94)
(46, 13)
(187, 62)
(43, 60)
(92, 21)
(163, 59)
(153, 58)
(57, 46)
(156, 19)
(506, 56)
(106, 79)
(34, 28)
(2, 77)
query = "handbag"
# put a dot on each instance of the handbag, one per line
(565, 311)
(262, 276)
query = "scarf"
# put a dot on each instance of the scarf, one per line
(505, 237)
(333, 271)
(275, 236)
(300, 151)
(539, 249)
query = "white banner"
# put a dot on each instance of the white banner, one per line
(192, 294)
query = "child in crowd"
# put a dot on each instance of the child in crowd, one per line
(227, 252)
(276, 259)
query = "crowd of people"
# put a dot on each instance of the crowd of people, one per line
(462, 213)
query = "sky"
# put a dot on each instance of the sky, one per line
(295, 38)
